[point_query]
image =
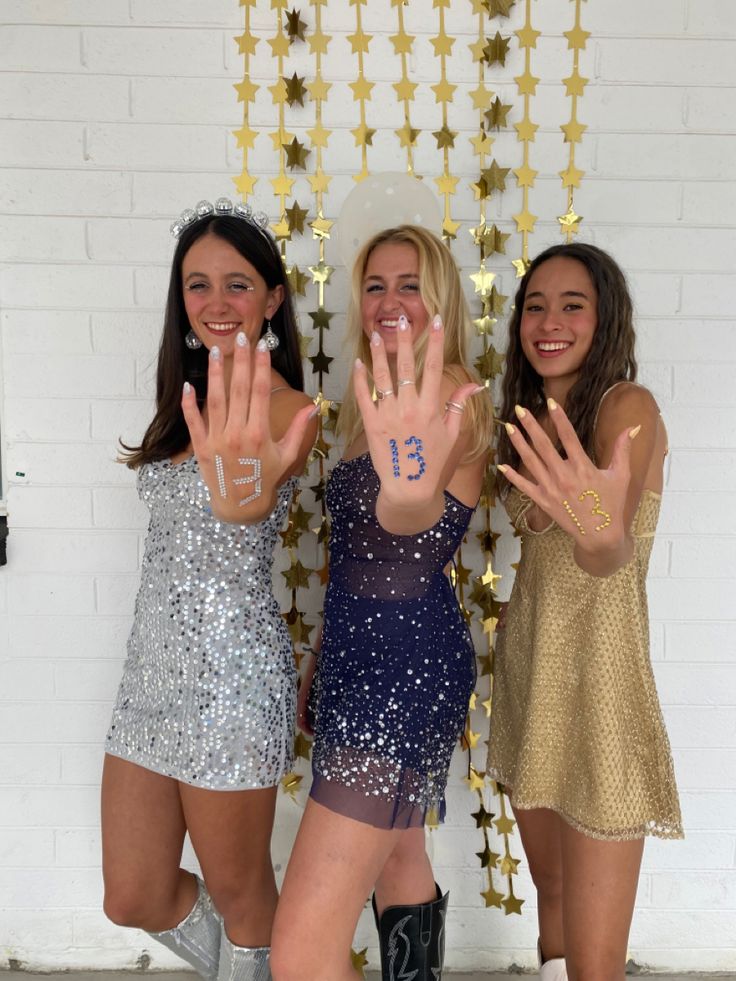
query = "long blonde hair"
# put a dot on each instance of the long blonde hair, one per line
(441, 293)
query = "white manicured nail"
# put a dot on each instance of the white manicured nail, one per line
(261, 345)
(241, 340)
(215, 353)
(436, 322)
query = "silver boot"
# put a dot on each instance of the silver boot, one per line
(197, 938)
(243, 963)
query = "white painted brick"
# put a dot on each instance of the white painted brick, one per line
(657, 377)
(702, 296)
(67, 464)
(704, 769)
(654, 294)
(165, 51)
(95, 375)
(656, 17)
(716, 683)
(87, 680)
(42, 49)
(709, 384)
(31, 95)
(36, 419)
(608, 108)
(669, 248)
(630, 60)
(708, 810)
(59, 722)
(697, 851)
(684, 340)
(40, 144)
(42, 239)
(26, 848)
(78, 848)
(692, 427)
(49, 594)
(21, 763)
(113, 419)
(151, 285)
(182, 100)
(116, 594)
(692, 726)
(36, 551)
(69, 637)
(691, 470)
(50, 807)
(692, 513)
(667, 156)
(117, 239)
(709, 203)
(688, 890)
(613, 201)
(26, 679)
(706, 110)
(711, 18)
(45, 507)
(29, 929)
(158, 146)
(216, 13)
(119, 507)
(713, 558)
(82, 765)
(121, 332)
(63, 888)
(68, 287)
(71, 192)
(689, 640)
(711, 929)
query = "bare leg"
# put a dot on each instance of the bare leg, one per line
(600, 880)
(332, 870)
(540, 831)
(407, 877)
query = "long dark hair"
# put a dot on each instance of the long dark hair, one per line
(167, 434)
(609, 360)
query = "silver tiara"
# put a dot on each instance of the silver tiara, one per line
(222, 206)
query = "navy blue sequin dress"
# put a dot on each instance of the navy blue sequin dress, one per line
(397, 665)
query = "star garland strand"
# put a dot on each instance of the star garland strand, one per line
(359, 43)
(246, 135)
(573, 130)
(445, 137)
(526, 133)
(404, 88)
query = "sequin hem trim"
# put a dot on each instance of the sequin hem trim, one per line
(255, 785)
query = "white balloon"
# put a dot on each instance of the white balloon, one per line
(383, 201)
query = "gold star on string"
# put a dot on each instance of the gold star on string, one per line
(299, 518)
(494, 177)
(318, 89)
(407, 135)
(359, 960)
(575, 84)
(496, 49)
(471, 738)
(496, 115)
(297, 280)
(321, 227)
(359, 42)
(278, 91)
(363, 135)
(442, 44)
(449, 228)
(526, 130)
(278, 137)
(247, 43)
(481, 96)
(473, 700)
(492, 897)
(246, 137)
(504, 825)
(482, 817)
(570, 221)
(476, 49)
(246, 90)
(489, 577)
(295, 26)
(321, 273)
(571, 177)
(474, 779)
(402, 42)
(361, 89)
(279, 46)
(446, 184)
(487, 707)
(445, 137)
(483, 280)
(321, 320)
(489, 364)
(319, 182)
(245, 184)
(521, 266)
(405, 90)
(296, 216)
(525, 175)
(484, 325)
(573, 131)
(527, 36)
(297, 576)
(296, 154)
(295, 90)
(487, 857)
(525, 221)
(318, 42)
(320, 363)
(290, 784)
(481, 143)
(512, 905)
(318, 135)
(282, 185)
(576, 38)
(498, 8)
(527, 83)
(443, 91)
(490, 238)
(509, 865)
(301, 746)
(281, 230)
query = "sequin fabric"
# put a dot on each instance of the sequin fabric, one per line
(397, 665)
(576, 724)
(208, 688)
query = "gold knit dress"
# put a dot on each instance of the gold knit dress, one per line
(576, 724)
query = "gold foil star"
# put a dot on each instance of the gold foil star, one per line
(402, 42)
(295, 26)
(407, 135)
(496, 115)
(297, 575)
(246, 90)
(496, 49)
(359, 960)
(504, 825)
(509, 865)
(521, 266)
(446, 184)
(445, 137)
(296, 216)
(492, 897)
(359, 42)
(476, 49)
(318, 135)
(281, 230)
(363, 135)
(321, 273)
(526, 130)
(279, 45)
(302, 746)
(318, 42)
(575, 84)
(296, 154)
(498, 8)
(442, 45)
(481, 96)
(278, 137)
(318, 89)
(525, 221)
(319, 181)
(245, 184)
(321, 227)
(512, 905)
(570, 221)
(278, 92)
(573, 131)
(475, 779)
(449, 228)
(481, 143)
(247, 43)
(290, 784)
(282, 185)
(525, 175)
(490, 238)
(297, 280)
(295, 90)
(527, 83)
(246, 137)
(361, 89)
(405, 90)
(527, 36)
(443, 91)
(576, 38)
(571, 177)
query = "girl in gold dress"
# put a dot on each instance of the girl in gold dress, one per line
(577, 736)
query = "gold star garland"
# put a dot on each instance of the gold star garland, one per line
(246, 135)
(359, 43)
(526, 132)
(404, 88)
(445, 137)
(573, 130)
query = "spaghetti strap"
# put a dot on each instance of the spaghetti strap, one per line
(280, 388)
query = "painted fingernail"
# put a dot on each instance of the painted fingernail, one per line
(633, 433)
(313, 413)
(520, 413)
(241, 340)
(436, 322)
(215, 353)
(502, 467)
(375, 338)
(358, 363)
(551, 405)
(262, 345)
(403, 323)
(479, 389)
(187, 388)
(509, 428)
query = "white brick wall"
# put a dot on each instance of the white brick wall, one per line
(114, 116)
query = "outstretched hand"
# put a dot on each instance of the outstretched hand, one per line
(237, 456)
(411, 438)
(586, 502)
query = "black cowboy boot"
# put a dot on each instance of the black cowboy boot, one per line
(412, 940)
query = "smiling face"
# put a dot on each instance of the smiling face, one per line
(558, 322)
(391, 288)
(224, 294)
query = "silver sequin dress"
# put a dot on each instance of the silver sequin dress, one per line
(208, 688)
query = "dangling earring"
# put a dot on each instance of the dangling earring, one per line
(272, 341)
(192, 341)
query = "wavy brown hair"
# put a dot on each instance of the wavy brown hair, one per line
(609, 360)
(167, 433)
(441, 292)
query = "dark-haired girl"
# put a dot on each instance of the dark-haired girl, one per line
(203, 724)
(577, 737)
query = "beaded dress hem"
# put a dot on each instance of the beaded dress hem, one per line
(139, 759)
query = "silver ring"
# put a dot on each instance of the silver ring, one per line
(406, 381)
(455, 407)
(383, 395)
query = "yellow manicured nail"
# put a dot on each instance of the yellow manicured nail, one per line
(520, 413)
(551, 405)
(509, 428)
(633, 433)
(502, 467)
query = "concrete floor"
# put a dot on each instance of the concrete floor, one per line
(188, 976)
